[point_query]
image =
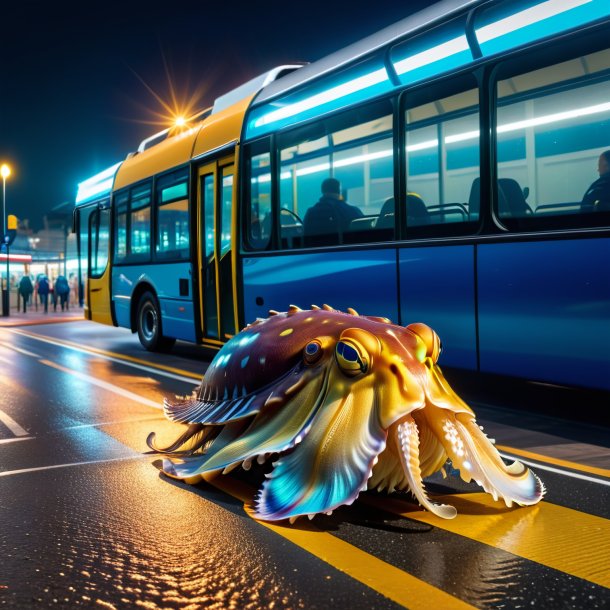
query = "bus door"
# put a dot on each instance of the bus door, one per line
(215, 206)
(98, 283)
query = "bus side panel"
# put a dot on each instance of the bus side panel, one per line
(544, 311)
(177, 316)
(437, 288)
(364, 280)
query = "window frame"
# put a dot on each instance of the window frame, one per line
(431, 92)
(531, 60)
(129, 257)
(183, 173)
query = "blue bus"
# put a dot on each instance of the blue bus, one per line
(464, 137)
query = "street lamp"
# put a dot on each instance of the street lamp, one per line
(5, 172)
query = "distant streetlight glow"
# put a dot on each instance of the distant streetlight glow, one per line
(5, 172)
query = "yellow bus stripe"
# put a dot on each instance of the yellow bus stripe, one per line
(376, 574)
(603, 472)
(96, 350)
(561, 538)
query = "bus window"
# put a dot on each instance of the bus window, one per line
(442, 158)
(132, 224)
(356, 150)
(172, 209)
(122, 205)
(100, 222)
(259, 213)
(227, 205)
(140, 221)
(552, 125)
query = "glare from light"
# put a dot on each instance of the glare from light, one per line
(180, 121)
(5, 171)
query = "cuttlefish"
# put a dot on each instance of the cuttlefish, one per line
(339, 403)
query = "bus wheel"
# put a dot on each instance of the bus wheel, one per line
(148, 324)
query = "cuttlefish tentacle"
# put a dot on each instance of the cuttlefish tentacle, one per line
(409, 440)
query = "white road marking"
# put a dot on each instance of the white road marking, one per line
(8, 473)
(84, 350)
(567, 473)
(104, 384)
(112, 423)
(5, 441)
(12, 425)
(19, 349)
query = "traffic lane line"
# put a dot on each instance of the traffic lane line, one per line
(10, 473)
(12, 425)
(189, 377)
(388, 580)
(141, 364)
(549, 534)
(105, 385)
(525, 555)
(602, 472)
(159, 369)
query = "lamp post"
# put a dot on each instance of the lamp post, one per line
(5, 172)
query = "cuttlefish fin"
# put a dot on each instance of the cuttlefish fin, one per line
(332, 464)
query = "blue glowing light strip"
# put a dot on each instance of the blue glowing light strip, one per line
(450, 48)
(332, 94)
(544, 19)
(97, 185)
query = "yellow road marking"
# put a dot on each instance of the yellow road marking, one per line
(603, 472)
(561, 538)
(376, 574)
(103, 352)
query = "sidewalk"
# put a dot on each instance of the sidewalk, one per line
(39, 317)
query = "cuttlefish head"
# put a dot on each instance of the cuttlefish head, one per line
(384, 417)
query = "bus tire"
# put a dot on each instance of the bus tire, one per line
(148, 324)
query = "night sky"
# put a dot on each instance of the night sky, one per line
(80, 83)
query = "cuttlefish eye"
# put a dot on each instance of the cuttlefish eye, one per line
(312, 352)
(350, 358)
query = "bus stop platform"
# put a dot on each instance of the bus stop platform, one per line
(31, 317)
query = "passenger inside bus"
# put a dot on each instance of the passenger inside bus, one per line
(597, 197)
(331, 215)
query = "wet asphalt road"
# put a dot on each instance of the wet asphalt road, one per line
(87, 520)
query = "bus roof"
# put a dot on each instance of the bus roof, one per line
(352, 53)
(97, 187)
(441, 39)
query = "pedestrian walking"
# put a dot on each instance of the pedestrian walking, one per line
(61, 292)
(43, 292)
(25, 290)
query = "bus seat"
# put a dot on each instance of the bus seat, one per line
(417, 212)
(511, 201)
(386, 215)
(474, 200)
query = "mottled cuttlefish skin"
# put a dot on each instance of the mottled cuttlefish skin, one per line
(341, 403)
